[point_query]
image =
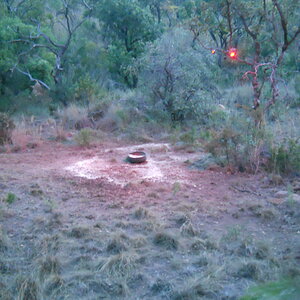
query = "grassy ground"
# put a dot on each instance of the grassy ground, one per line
(200, 235)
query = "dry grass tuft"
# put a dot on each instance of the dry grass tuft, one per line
(139, 241)
(187, 229)
(203, 244)
(50, 244)
(181, 218)
(52, 284)
(25, 135)
(161, 286)
(117, 244)
(3, 240)
(72, 115)
(250, 270)
(28, 289)
(79, 232)
(141, 213)
(48, 265)
(198, 288)
(203, 260)
(241, 244)
(5, 293)
(120, 266)
(165, 240)
(265, 213)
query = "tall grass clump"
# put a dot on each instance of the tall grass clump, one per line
(119, 266)
(3, 240)
(72, 115)
(28, 289)
(6, 127)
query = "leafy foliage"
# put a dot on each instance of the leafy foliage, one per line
(128, 27)
(286, 157)
(178, 78)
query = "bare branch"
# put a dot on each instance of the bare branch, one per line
(228, 15)
(86, 5)
(34, 79)
(283, 22)
(284, 26)
(252, 34)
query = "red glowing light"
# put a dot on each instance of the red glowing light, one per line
(232, 53)
(213, 51)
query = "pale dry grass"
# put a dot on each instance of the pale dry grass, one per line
(71, 115)
(26, 135)
(119, 266)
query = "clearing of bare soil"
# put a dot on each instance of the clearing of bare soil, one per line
(85, 224)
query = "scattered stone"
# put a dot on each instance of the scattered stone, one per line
(281, 194)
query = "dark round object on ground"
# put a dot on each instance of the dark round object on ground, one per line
(137, 157)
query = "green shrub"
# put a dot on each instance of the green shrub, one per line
(6, 127)
(286, 157)
(239, 143)
(84, 137)
(178, 78)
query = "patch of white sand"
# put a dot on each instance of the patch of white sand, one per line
(118, 173)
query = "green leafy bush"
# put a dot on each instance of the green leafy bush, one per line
(286, 157)
(179, 78)
(84, 137)
(240, 144)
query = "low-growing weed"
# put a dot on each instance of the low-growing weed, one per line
(10, 198)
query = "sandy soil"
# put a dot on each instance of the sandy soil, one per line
(62, 188)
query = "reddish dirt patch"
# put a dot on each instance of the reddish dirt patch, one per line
(61, 187)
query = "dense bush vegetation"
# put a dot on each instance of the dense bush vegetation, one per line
(149, 68)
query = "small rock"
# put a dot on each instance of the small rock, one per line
(90, 217)
(32, 145)
(276, 179)
(281, 194)
(276, 201)
(36, 192)
(295, 197)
